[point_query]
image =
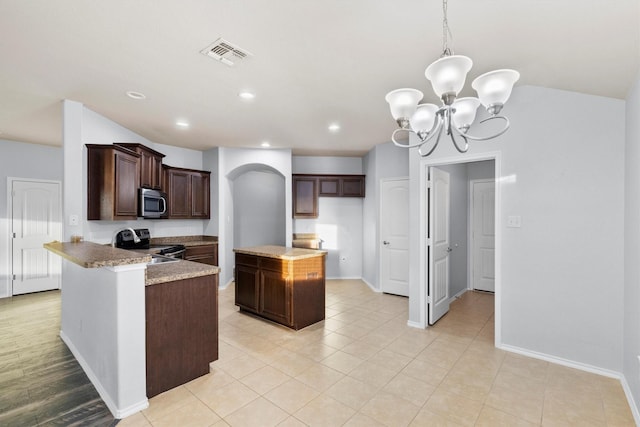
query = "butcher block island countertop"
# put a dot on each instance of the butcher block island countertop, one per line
(280, 252)
(282, 284)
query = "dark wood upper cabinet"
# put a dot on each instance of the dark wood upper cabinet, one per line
(187, 192)
(305, 197)
(307, 189)
(112, 182)
(150, 165)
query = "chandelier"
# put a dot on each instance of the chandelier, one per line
(455, 116)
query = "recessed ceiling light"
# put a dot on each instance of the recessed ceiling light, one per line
(247, 95)
(265, 144)
(135, 95)
(334, 127)
(182, 124)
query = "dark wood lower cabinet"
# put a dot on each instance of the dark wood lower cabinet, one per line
(181, 331)
(205, 254)
(287, 291)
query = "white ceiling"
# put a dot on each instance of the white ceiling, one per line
(315, 62)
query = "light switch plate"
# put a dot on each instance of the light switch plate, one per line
(514, 221)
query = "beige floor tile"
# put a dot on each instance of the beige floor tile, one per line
(193, 414)
(342, 362)
(209, 383)
(360, 420)
(292, 363)
(457, 408)
(531, 386)
(259, 412)
(490, 417)
(135, 420)
(559, 407)
(324, 411)
(524, 405)
(351, 392)
(241, 366)
(229, 398)
(292, 422)
(316, 351)
(292, 395)
(373, 374)
(425, 371)
(265, 379)
(525, 367)
(361, 349)
(409, 388)
(390, 360)
(168, 402)
(431, 419)
(390, 410)
(320, 377)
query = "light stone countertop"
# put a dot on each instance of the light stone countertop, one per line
(280, 252)
(93, 255)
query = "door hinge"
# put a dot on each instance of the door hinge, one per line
(14, 235)
(429, 300)
(428, 184)
(428, 241)
(14, 277)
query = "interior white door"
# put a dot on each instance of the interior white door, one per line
(394, 234)
(483, 234)
(439, 249)
(36, 219)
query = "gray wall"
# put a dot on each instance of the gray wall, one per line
(383, 161)
(258, 209)
(21, 160)
(631, 338)
(552, 273)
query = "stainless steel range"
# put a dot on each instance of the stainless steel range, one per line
(125, 239)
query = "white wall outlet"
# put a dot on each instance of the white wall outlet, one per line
(514, 221)
(74, 219)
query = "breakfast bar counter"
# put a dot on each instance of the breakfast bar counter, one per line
(136, 328)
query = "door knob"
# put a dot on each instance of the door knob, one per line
(384, 242)
(449, 250)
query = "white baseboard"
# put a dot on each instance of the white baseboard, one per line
(458, 295)
(413, 324)
(583, 367)
(373, 288)
(630, 400)
(560, 361)
(115, 411)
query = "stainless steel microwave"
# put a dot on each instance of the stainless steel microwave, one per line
(152, 203)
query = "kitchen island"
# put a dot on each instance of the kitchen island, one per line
(136, 330)
(282, 284)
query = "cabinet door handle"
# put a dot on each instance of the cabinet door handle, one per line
(384, 242)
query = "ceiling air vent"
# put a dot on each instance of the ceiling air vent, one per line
(225, 52)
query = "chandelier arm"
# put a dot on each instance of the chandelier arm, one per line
(422, 140)
(485, 138)
(434, 145)
(397, 144)
(455, 142)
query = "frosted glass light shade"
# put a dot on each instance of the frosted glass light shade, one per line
(447, 74)
(403, 102)
(424, 118)
(465, 111)
(494, 87)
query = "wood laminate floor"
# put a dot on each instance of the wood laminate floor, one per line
(41, 383)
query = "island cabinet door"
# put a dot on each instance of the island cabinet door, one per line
(247, 283)
(275, 293)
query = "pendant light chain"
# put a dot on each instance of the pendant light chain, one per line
(446, 32)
